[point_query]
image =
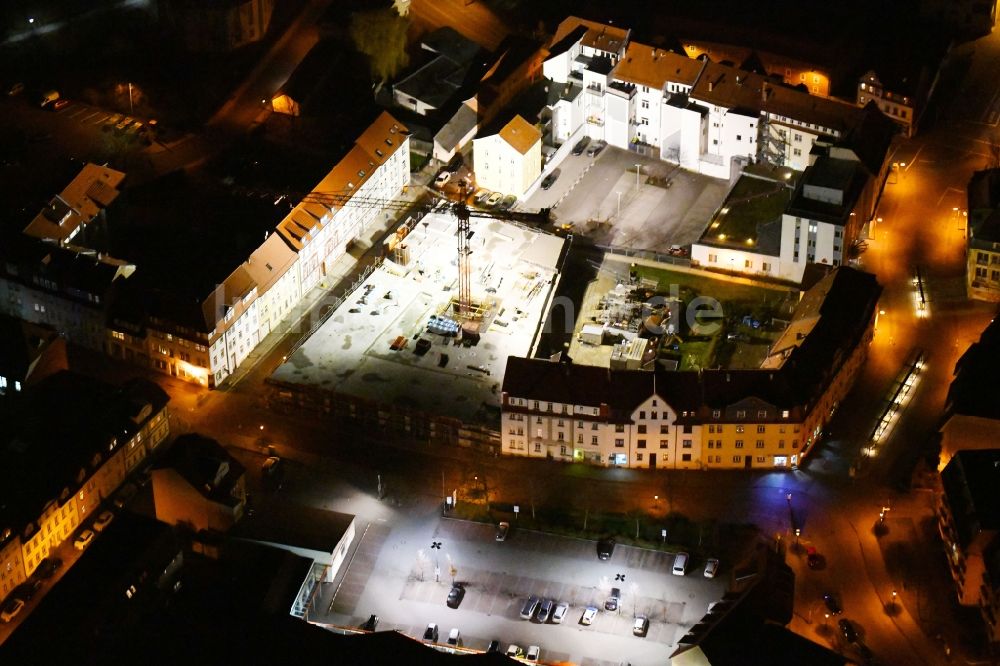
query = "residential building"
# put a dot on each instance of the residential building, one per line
(28, 353)
(66, 287)
(69, 443)
(711, 419)
(790, 70)
(982, 272)
(514, 66)
(218, 25)
(969, 524)
(971, 414)
(81, 203)
(199, 486)
(453, 62)
(582, 53)
(510, 160)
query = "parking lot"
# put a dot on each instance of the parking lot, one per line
(404, 575)
(601, 197)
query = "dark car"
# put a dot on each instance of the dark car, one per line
(832, 604)
(581, 145)
(431, 633)
(48, 566)
(28, 589)
(848, 631)
(813, 559)
(550, 179)
(612, 602)
(507, 203)
(494, 646)
(605, 548)
(455, 596)
(596, 148)
(370, 623)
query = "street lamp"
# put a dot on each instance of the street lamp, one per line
(131, 109)
(619, 204)
(638, 168)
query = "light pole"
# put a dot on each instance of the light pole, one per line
(619, 204)
(638, 168)
(131, 109)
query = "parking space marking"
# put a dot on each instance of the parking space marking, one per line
(90, 114)
(76, 111)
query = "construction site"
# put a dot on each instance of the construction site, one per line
(428, 333)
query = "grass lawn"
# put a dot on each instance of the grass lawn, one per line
(697, 355)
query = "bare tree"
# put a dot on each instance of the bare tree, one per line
(381, 35)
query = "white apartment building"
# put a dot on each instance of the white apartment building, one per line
(510, 160)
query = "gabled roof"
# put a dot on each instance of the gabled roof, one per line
(269, 262)
(21, 344)
(978, 367)
(449, 42)
(457, 128)
(871, 138)
(93, 190)
(732, 88)
(205, 465)
(520, 134)
(654, 67)
(599, 36)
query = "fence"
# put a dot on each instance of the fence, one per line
(649, 255)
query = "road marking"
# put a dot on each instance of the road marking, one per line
(77, 111)
(89, 116)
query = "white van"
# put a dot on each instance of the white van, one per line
(680, 564)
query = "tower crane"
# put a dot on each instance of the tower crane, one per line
(462, 212)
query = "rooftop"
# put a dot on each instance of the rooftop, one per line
(295, 525)
(21, 344)
(829, 190)
(93, 190)
(598, 36)
(975, 369)
(752, 202)
(520, 134)
(55, 429)
(205, 465)
(653, 67)
(969, 482)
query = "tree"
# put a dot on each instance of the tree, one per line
(381, 35)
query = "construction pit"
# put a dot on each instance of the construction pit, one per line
(404, 337)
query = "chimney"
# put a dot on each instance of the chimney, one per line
(710, 86)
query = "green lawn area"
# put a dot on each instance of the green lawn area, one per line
(751, 201)
(697, 355)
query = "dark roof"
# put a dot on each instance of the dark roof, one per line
(457, 128)
(21, 343)
(567, 42)
(55, 429)
(845, 313)
(845, 176)
(984, 190)
(870, 138)
(318, 66)
(295, 525)
(206, 465)
(449, 42)
(970, 481)
(986, 230)
(977, 368)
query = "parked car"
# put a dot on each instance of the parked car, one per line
(813, 558)
(612, 603)
(83, 540)
(533, 652)
(848, 631)
(11, 610)
(455, 637)
(60, 104)
(103, 520)
(124, 122)
(15, 89)
(559, 612)
(455, 596)
(273, 471)
(370, 623)
(48, 98)
(47, 567)
(507, 203)
(605, 548)
(494, 646)
(481, 196)
(641, 625)
(832, 604)
(545, 610)
(494, 199)
(514, 651)
(502, 529)
(431, 633)
(711, 567)
(442, 179)
(595, 148)
(588, 615)
(530, 607)
(125, 495)
(551, 179)
(581, 145)
(680, 564)
(28, 589)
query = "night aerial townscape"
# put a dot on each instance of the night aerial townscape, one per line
(497, 331)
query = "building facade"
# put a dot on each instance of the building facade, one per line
(58, 471)
(713, 419)
(510, 160)
(982, 272)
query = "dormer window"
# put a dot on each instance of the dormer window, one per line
(378, 151)
(388, 142)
